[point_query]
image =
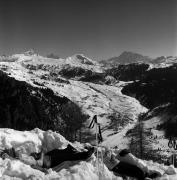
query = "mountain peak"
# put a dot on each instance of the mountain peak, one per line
(30, 52)
(131, 57)
(128, 57)
(80, 59)
(130, 53)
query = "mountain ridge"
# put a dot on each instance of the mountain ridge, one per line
(127, 57)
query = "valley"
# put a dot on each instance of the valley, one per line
(117, 112)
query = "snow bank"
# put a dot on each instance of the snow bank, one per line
(33, 141)
(30, 141)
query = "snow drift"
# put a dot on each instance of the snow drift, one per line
(32, 141)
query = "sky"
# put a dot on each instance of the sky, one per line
(99, 29)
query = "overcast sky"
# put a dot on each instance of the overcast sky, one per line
(97, 28)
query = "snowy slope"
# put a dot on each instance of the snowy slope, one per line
(157, 137)
(103, 101)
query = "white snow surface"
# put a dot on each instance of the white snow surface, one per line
(30, 141)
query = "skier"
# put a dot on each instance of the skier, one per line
(123, 163)
(43, 161)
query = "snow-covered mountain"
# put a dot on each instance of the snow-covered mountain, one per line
(130, 57)
(164, 59)
(127, 57)
(100, 99)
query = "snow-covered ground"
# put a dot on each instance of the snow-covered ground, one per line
(26, 142)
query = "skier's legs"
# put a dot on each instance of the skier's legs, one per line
(62, 152)
(58, 156)
(80, 155)
(70, 154)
